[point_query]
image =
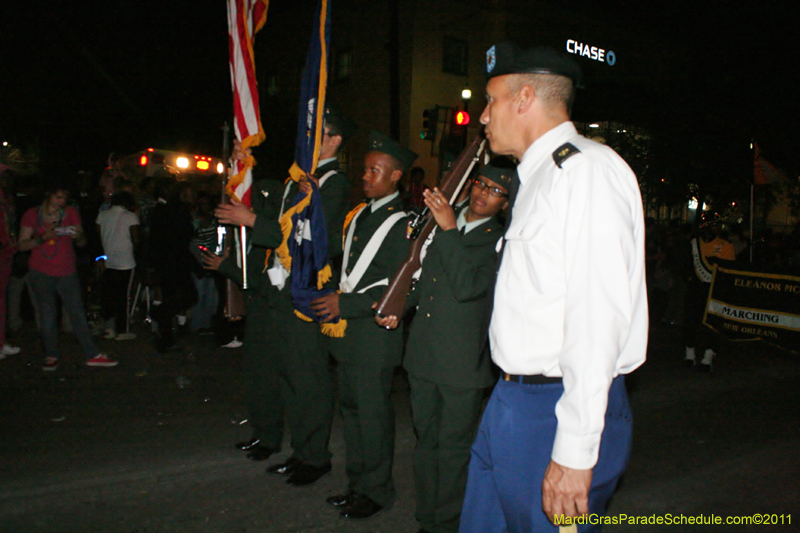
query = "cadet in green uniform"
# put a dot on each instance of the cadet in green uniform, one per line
(308, 388)
(375, 247)
(447, 357)
(263, 301)
(289, 360)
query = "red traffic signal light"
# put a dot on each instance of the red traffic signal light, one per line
(462, 118)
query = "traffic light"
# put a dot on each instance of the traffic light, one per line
(430, 121)
(462, 118)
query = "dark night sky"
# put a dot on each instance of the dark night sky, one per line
(96, 77)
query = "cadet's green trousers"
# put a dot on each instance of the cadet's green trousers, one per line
(264, 403)
(368, 417)
(445, 420)
(307, 387)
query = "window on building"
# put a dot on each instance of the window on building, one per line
(344, 62)
(455, 53)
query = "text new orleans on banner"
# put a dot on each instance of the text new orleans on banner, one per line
(745, 305)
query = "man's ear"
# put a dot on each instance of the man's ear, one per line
(505, 207)
(525, 98)
(396, 175)
(336, 141)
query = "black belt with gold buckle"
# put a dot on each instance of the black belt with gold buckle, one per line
(529, 380)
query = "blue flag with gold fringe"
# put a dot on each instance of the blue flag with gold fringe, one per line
(311, 112)
(304, 251)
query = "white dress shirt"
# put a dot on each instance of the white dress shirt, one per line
(570, 299)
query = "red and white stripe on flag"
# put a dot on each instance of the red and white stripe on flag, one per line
(245, 19)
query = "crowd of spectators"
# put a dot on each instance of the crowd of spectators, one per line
(69, 273)
(149, 235)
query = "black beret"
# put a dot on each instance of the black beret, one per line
(378, 142)
(508, 58)
(340, 122)
(500, 170)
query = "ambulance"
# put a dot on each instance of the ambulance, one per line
(181, 165)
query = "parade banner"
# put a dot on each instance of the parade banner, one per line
(747, 306)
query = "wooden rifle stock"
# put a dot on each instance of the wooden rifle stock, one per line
(233, 301)
(393, 301)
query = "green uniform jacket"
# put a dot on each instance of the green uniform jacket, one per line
(336, 204)
(365, 343)
(265, 235)
(446, 344)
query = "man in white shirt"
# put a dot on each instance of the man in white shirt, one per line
(570, 308)
(119, 233)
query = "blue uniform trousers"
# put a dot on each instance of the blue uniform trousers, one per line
(512, 451)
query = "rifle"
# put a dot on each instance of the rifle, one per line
(233, 303)
(393, 301)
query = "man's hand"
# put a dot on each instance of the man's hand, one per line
(239, 154)
(235, 213)
(388, 322)
(305, 183)
(212, 261)
(327, 307)
(440, 209)
(565, 491)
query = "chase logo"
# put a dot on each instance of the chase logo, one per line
(491, 60)
(592, 52)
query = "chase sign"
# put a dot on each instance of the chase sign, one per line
(592, 52)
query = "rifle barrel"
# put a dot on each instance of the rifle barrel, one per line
(393, 301)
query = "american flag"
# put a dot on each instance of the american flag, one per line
(245, 19)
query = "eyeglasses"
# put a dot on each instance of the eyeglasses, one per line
(494, 191)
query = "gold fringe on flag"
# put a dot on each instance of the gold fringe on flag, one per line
(334, 330)
(295, 174)
(302, 317)
(323, 276)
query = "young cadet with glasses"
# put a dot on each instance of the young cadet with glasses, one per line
(447, 356)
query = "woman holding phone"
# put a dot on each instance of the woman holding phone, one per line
(49, 232)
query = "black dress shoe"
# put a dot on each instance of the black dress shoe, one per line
(306, 474)
(247, 445)
(361, 507)
(260, 453)
(286, 468)
(341, 500)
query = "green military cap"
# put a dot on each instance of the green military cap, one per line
(508, 58)
(500, 170)
(378, 142)
(339, 123)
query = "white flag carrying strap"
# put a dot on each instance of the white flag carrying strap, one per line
(325, 177)
(349, 283)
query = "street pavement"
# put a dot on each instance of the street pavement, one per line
(147, 446)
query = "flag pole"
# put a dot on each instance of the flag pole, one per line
(751, 221)
(243, 250)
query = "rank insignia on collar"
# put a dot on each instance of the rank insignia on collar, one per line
(564, 152)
